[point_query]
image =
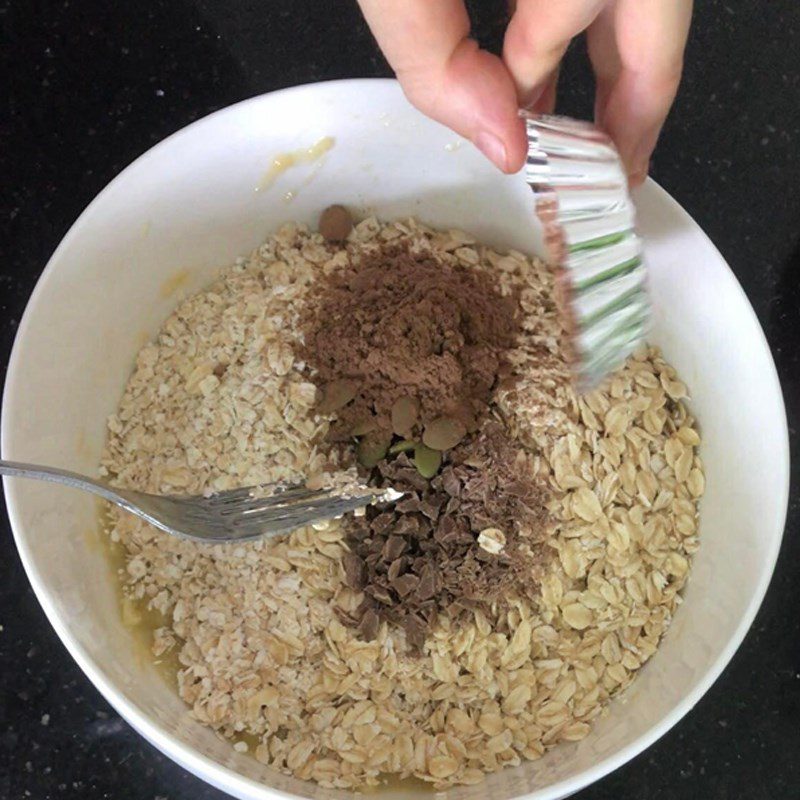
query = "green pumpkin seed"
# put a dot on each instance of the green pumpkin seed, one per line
(404, 446)
(444, 433)
(427, 461)
(365, 426)
(372, 448)
(336, 395)
(405, 413)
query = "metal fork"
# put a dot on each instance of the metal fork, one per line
(230, 516)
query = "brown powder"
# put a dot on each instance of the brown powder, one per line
(421, 555)
(404, 324)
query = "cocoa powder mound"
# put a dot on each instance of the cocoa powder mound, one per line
(421, 556)
(400, 323)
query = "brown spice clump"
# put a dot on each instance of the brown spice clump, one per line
(423, 554)
(403, 324)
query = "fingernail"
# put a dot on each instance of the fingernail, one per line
(491, 146)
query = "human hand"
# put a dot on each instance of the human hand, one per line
(635, 46)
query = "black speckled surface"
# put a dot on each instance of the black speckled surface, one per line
(91, 85)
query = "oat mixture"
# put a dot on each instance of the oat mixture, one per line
(269, 642)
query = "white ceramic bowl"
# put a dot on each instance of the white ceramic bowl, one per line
(188, 206)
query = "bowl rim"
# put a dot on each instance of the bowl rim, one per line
(226, 778)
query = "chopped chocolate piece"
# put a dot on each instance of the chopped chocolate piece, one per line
(411, 478)
(517, 488)
(369, 625)
(397, 568)
(431, 507)
(416, 628)
(395, 546)
(427, 584)
(408, 504)
(447, 534)
(450, 482)
(419, 564)
(355, 571)
(379, 593)
(383, 522)
(405, 584)
(453, 504)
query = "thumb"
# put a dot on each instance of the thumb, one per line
(448, 77)
(474, 95)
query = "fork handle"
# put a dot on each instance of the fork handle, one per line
(39, 472)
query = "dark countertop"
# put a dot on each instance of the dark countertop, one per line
(94, 84)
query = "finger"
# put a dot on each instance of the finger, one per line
(536, 38)
(447, 76)
(546, 102)
(636, 48)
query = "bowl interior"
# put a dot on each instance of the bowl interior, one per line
(197, 201)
